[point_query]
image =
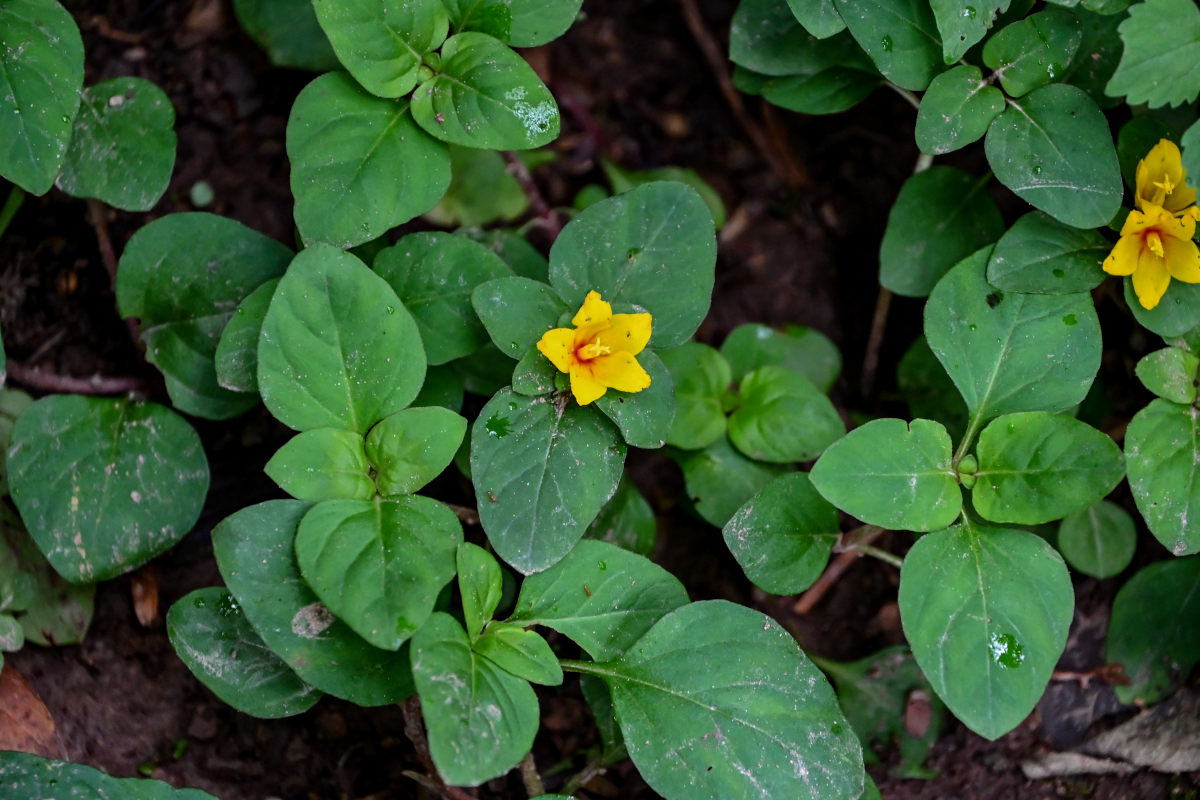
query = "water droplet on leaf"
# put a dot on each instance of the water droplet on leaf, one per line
(1006, 650)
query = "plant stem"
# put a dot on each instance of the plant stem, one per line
(906, 94)
(880, 553)
(878, 325)
(95, 385)
(968, 438)
(591, 770)
(829, 577)
(544, 214)
(530, 776)
(16, 196)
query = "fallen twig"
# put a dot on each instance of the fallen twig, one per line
(95, 385)
(852, 552)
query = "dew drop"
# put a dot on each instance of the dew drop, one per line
(1006, 650)
(886, 44)
(497, 426)
(969, 12)
(1070, 319)
(972, 326)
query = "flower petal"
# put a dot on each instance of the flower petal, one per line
(1150, 280)
(584, 384)
(628, 333)
(1123, 259)
(1182, 259)
(592, 311)
(620, 371)
(558, 345)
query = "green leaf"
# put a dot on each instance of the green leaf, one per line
(236, 357)
(1154, 632)
(941, 216)
(820, 89)
(520, 23)
(702, 377)
(519, 652)
(338, 349)
(623, 180)
(1009, 352)
(323, 464)
(485, 96)
(1040, 255)
(12, 636)
(1177, 313)
(255, 551)
(782, 537)
(360, 164)
(1171, 373)
(1135, 140)
(12, 403)
(1098, 541)
(484, 372)
(379, 564)
(517, 312)
(804, 350)
(1036, 467)
(963, 26)
(382, 45)
(482, 191)
(627, 520)
(41, 77)
(765, 36)
(481, 720)
(699, 727)
(653, 247)
(28, 775)
(644, 418)
(1034, 51)
(819, 17)
(956, 110)
(541, 475)
(782, 417)
(1161, 452)
(1054, 150)
(1098, 54)
(928, 390)
(479, 583)
(122, 149)
(105, 485)
(288, 30)
(1161, 61)
(601, 597)
(522, 258)
(411, 447)
(900, 36)
(719, 479)
(443, 387)
(534, 374)
(987, 611)
(50, 610)
(434, 274)
(183, 276)
(892, 474)
(212, 637)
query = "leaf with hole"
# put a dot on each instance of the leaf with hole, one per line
(105, 485)
(986, 611)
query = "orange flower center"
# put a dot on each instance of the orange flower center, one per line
(591, 350)
(1154, 242)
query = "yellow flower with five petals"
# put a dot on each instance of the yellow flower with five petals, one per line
(1155, 246)
(599, 352)
(1161, 180)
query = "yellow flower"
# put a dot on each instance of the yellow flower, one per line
(1161, 180)
(598, 353)
(1154, 247)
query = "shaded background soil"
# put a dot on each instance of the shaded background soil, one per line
(801, 247)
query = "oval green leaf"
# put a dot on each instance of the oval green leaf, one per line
(900, 36)
(323, 464)
(698, 728)
(941, 216)
(480, 584)
(288, 30)
(1098, 541)
(516, 312)
(782, 537)
(360, 164)
(481, 720)
(28, 775)
(485, 96)
(800, 349)
(701, 376)
(379, 565)
(541, 473)
(1037, 467)
(382, 45)
(105, 485)
(987, 611)
(601, 597)
(1171, 373)
(644, 418)
(255, 551)
(652, 247)
(892, 474)
(183, 276)
(1054, 150)
(963, 26)
(719, 479)
(1033, 51)
(1040, 255)
(1161, 452)
(236, 356)
(520, 23)
(956, 110)
(1009, 352)
(782, 417)
(41, 76)
(338, 349)
(212, 637)
(412, 447)
(519, 652)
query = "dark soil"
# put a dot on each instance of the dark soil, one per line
(801, 247)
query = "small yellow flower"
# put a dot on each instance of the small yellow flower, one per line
(1154, 247)
(598, 353)
(1161, 180)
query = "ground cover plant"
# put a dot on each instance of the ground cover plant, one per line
(456, 417)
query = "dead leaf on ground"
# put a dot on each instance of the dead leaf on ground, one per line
(25, 722)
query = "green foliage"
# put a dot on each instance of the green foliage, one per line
(105, 485)
(1160, 448)
(288, 30)
(956, 110)
(1159, 63)
(33, 776)
(1033, 51)
(520, 23)
(782, 417)
(1098, 541)
(702, 376)
(803, 350)
(1039, 255)
(719, 479)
